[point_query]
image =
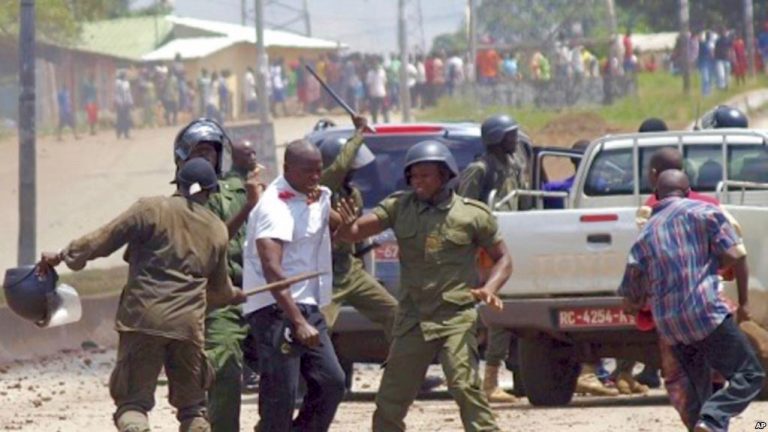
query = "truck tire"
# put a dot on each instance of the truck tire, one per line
(548, 370)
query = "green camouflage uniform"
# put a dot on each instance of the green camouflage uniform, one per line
(476, 182)
(225, 328)
(437, 315)
(352, 285)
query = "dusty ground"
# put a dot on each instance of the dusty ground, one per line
(68, 393)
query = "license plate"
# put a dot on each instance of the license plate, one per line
(387, 252)
(594, 317)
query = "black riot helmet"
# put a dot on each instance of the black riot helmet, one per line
(28, 294)
(331, 147)
(430, 151)
(494, 128)
(724, 116)
(204, 130)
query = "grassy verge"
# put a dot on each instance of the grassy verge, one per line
(92, 282)
(659, 95)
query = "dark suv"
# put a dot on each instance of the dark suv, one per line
(356, 338)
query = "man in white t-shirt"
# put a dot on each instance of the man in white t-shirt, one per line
(288, 234)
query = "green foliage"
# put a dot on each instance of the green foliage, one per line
(450, 42)
(538, 20)
(663, 15)
(53, 20)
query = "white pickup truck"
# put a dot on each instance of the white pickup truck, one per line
(561, 299)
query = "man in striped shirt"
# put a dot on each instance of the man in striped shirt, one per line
(673, 267)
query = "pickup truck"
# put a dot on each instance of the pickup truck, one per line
(561, 300)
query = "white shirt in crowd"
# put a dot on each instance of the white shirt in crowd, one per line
(413, 74)
(123, 95)
(455, 67)
(276, 77)
(421, 73)
(377, 82)
(283, 214)
(249, 89)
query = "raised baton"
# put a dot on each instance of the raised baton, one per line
(336, 97)
(285, 283)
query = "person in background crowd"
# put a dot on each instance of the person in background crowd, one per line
(421, 82)
(377, 90)
(171, 99)
(740, 63)
(723, 55)
(203, 92)
(277, 81)
(148, 97)
(123, 105)
(66, 114)
(455, 73)
(90, 102)
(249, 92)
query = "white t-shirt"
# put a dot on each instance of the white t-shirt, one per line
(377, 82)
(283, 214)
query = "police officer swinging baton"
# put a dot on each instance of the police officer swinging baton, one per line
(285, 283)
(336, 97)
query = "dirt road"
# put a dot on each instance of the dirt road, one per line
(68, 393)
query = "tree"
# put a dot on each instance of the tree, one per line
(661, 15)
(451, 42)
(54, 20)
(514, 21)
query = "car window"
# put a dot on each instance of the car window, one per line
(748, 163)
(610, 173)
(704, 166)
(385, 176)
(611, 170)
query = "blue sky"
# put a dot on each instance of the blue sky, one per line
(365, 25)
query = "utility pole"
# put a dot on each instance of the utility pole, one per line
(749, 25)
(472, 36)
(405, 94)
(27, 252)
(423, 41)
(685, 37)
(262, 64)
(307, 24)
(612, 26)
(243, 12)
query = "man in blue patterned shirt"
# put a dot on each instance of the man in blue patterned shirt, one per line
(672, 267)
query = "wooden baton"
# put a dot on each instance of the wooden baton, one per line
(285, 283)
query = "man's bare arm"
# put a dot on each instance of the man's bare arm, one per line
(271, 255)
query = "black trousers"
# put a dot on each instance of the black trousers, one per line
(281, 362)
(727, 351)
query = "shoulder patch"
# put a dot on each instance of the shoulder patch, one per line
(477, 204)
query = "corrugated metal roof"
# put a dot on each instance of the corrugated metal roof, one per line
(126, 38)
(189, 48)
(654, 42)
(272, 38)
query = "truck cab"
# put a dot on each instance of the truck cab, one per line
(561, 300)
